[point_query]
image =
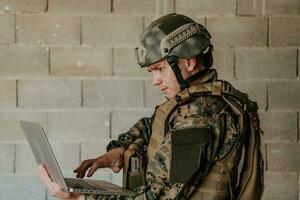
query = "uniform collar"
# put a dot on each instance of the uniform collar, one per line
(211, 75)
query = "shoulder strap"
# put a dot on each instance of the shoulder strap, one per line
(251, 184)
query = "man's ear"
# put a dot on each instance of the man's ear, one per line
(191, 64)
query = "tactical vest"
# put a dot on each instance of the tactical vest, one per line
(228, 178)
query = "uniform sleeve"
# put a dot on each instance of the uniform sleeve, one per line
(140, 130)
(228, 128)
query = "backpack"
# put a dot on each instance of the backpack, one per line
(250, 184)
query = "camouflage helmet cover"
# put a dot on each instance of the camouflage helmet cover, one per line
(171, 35)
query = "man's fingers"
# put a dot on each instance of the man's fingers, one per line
(111, 160)
(53, 188)
(76, 170)
(100, 162)
(83, 168)
(56, 191)
(116, 169)
(116, 165)
(92, 170)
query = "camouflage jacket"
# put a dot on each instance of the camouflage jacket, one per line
(200, 111)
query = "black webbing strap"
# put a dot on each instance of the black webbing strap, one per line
(173, 62)
(196, 76)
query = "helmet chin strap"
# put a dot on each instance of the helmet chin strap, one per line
(173, 62)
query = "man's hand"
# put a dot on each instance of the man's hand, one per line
(112, 159)
(53, 187)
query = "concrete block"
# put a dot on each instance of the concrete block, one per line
(25, 162)
(25, 115)
(30, 6)
(51, 93)
(252, 7)
(25, 187)
(280, 186)
(148, 20)
(8, 93)
(67, 155)
(224, 63)
(125, 63)
(11, 131)
(78, 61)
(7, 32)
(257, 91)
(238, 31)
(79, 6)
(93, 149)
(164, 7)
(49, 29)
(111, 30)
(153, 95)
(284, 94)
(7, 158)
(261, 63)
(203, 7)
(279, 125)
(284, 157)
(279, 7)
(200, 20)
(78, 125)
(113, 93)
(287, 34)
(23, 61)
(123, 120)
(135, 7)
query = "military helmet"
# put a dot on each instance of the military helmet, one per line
(172, 35)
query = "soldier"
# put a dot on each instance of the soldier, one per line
(195, 143)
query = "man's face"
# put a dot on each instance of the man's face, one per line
(164, 78)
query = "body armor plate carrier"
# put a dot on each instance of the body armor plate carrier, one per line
(224, 181)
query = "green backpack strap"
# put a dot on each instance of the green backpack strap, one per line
(251, 182)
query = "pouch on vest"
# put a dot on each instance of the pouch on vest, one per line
(134, 168)
(187, 147)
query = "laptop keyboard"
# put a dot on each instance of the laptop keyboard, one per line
(81, 184)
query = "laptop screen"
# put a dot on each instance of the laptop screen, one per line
(42, 151)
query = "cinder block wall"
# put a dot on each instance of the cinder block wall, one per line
(69, 64)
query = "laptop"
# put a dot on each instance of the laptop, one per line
(43, 154)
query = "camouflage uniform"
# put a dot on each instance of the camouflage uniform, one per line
(200, 111)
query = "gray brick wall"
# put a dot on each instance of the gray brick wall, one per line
(69, 65)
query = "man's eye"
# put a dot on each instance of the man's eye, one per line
(161, 69)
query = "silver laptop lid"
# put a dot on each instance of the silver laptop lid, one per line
(42, 151)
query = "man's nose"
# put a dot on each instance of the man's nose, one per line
(156, 79)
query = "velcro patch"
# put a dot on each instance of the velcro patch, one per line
(187, 147)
